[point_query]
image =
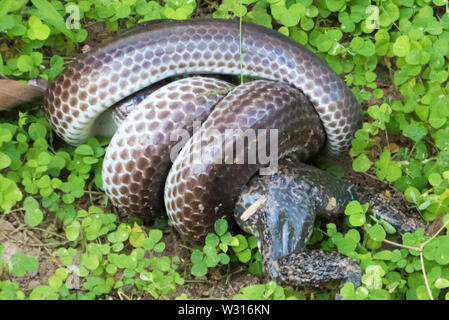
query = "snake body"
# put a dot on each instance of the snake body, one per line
(137, 161)
(154, 51)
(199, 191)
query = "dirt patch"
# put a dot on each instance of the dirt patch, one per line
(16, 239)
(221, 282)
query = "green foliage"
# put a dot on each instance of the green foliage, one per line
(356, 213)
(10, 291)
(43, 28)
(52, 181)
(21, 264)
(394, 56)
(269, 291)
(396, 273)
(101, 264)
(216, 251)
(32, 168)
(102, 267)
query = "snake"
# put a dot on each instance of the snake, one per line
(139, 90)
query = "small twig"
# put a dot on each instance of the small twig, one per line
(186, 247)
(253, 208)
(401, 245)
(38, 245)
(120, 293)
(23, 226)
(44, 245)
(54, 234)
(421, 256)
(374, 178)
(231, 273)
(240, 43)
(214, 92)
(18, 209)
(95, 192)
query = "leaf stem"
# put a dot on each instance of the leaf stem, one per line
(401, 245)
(421, 255)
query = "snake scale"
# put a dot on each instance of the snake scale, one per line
(298, 95)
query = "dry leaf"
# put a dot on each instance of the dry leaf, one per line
(435, 225)
(14, 93)
(393, 147)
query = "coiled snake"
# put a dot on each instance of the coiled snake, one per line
(301, 98)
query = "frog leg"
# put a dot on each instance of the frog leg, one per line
(397, 214)
(332, 194)
(313, 268)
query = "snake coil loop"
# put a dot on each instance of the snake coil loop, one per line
(301, 96)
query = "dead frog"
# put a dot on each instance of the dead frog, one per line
(283, 224)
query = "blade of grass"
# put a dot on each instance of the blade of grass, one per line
(50, 15)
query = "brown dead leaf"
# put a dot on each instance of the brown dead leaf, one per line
(393, 147)
(435, 225)
(14, 93)
(6, 51)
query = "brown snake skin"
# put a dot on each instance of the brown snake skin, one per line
(137, 160)
(151, 52)
(199, 191)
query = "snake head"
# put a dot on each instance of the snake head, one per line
(289, 219)
(284, 225)
(265, 243)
